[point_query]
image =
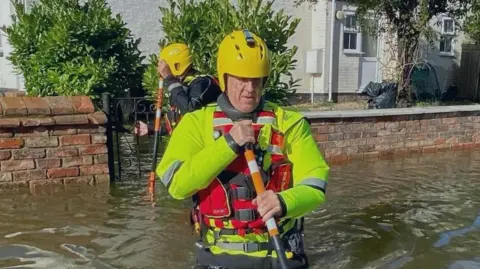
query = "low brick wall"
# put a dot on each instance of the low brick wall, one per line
(51, 140)
(346, 135)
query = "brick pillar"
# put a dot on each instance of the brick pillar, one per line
(51, 140)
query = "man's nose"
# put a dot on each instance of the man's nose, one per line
(249, 86)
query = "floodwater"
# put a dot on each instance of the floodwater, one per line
(417, 212)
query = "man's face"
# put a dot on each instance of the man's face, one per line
(244, 93)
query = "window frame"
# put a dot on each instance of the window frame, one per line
(447, 34)
(356, 31)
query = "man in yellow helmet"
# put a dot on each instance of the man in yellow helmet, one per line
(204, 160)
(188, 89)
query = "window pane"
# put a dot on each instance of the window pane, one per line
(446, 44)
(350, 41)
(448, 26)
(346, 40)
(353, 41)
(350, 21)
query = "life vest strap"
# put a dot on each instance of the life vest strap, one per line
(224, 231)
(245, 247)
(218, 232)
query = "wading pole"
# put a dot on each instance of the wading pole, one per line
(158, 116)
(259, 188)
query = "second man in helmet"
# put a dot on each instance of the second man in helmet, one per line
(188, 89)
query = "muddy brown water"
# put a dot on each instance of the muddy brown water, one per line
(417, 212)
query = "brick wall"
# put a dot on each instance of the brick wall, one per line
(342, 136)
(51, 140)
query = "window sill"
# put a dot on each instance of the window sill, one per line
(352, 53)
(446, 54)
(448, 33)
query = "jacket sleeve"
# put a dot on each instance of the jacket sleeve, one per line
(200, 92)
(188, 164)
(310, 172)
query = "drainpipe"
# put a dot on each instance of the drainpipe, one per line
(332, 30)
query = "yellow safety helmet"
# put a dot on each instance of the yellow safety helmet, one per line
(178, 57)
(242, 54)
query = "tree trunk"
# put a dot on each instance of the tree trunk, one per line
(407, 50)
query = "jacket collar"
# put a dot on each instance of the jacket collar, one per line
(235, 115)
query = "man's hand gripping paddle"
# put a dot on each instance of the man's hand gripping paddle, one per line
(260, 188)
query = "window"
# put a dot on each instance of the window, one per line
(446, 44)
(351, 35)
(447, 26)
(447, 36)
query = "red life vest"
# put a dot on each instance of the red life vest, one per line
(229, 196)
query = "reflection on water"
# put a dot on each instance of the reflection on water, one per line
(418, 212)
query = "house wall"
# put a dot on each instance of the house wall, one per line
(320, 31)
(348, 63)
(388, 60)
(320, 39)
(446, 66)
(8, 79)
(348, 72)
(142, 18)
(302, 39)
(346, 66)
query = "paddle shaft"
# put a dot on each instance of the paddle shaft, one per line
(260, 188)
(158, 116)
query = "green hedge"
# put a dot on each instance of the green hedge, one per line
(203, 25)
(68, 47)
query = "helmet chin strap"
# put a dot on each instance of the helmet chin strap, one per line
(233, 113)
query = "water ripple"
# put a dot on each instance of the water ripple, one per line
(417, 212)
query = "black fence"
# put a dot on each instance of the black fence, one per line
(129, 155)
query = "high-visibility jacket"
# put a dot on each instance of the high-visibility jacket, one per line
(197, 154)
(230, 195)
(192, 93)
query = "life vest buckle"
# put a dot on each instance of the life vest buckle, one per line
(242, 193)
(245, 214)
